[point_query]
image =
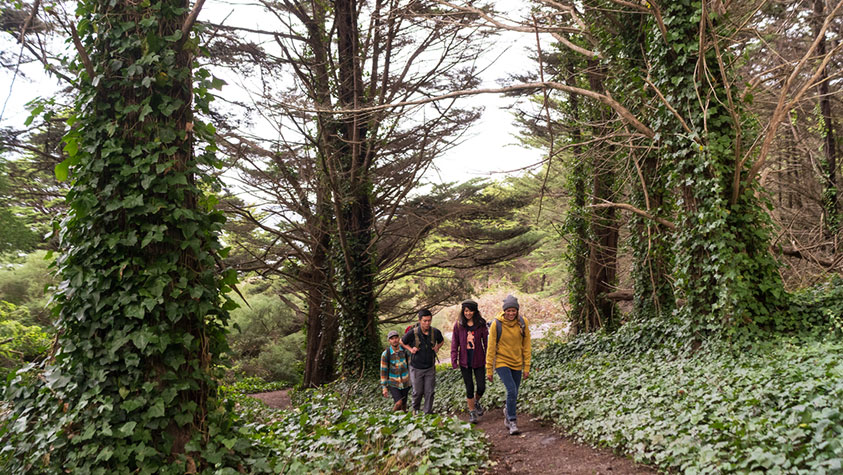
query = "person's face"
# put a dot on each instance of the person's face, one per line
(425, 322)
(510, 313)
(469, 313)
(393, 341)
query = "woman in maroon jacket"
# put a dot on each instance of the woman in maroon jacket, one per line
(468, 353)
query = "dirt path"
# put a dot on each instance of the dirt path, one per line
(274, 399)
(539, 449)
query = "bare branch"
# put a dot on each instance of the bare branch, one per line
(625, 114)
(29, 20)
(783, 106)
(628, 207)
(191, 19)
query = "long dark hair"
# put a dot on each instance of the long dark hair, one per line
(478, 318)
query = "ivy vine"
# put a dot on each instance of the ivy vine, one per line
(141, 310)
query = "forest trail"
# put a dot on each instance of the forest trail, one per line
(275, 399)
(539, 449)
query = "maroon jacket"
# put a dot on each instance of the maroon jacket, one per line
(459, 346)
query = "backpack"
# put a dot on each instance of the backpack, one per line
(416, 329)
(499, 329)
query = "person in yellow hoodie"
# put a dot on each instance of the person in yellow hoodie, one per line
(509, 355)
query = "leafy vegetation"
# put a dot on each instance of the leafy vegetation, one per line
(266, 338)
(775, 406)
(342, 428)
(19, 343)
(24, 282)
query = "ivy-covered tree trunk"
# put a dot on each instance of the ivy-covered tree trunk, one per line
(577, 222)
(723, 266)
(650, 241)
(141, 316)
(354, 208)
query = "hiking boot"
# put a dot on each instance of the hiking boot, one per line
(479, 409)
(398, 405)
(505, 418)
(472, 417)
(513, 429)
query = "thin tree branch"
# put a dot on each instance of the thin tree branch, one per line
(628, 207)
(625, 114)
(189, 21)
(783, 106)
(29, 20)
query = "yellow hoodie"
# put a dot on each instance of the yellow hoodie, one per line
(513, 351)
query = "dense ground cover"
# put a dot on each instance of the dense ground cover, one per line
(775, 407)
(347, 427)
(762, 402)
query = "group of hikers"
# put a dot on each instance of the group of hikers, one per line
(410, 361)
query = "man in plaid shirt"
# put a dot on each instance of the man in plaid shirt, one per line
(395, 372)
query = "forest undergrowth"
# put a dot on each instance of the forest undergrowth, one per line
(770, 402)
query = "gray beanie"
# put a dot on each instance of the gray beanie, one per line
(511, 302)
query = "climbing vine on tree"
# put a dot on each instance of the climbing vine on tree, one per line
(724, 268)
(141, 310)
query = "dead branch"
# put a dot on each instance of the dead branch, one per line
(628, 207)
(783, 106)
(188, 22)
(803, 254)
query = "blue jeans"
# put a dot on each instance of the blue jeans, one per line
(511, 380)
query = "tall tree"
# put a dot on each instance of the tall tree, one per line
(141, 313)
(350, 149)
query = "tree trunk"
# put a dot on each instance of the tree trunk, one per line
(603, 251)
(354, 208)
(141, 313)
(831, 210)
(578, 246)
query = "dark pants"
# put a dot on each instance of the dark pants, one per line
(479, 376)
(511, 380)
(424, 382)
(398, 394)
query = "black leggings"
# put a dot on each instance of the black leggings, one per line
(479, 375)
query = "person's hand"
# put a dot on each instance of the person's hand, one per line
(489, 378)
(414, 349)
(526, 374)
(385, 392)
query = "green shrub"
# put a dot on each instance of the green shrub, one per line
(23, 284)
(19, 343)
(776, 406)
(266, 339)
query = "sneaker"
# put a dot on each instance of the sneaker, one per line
(513, 429)
(472, 417)
(479, 409)
(505, 418)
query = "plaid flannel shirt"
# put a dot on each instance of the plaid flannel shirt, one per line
(395, 368)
